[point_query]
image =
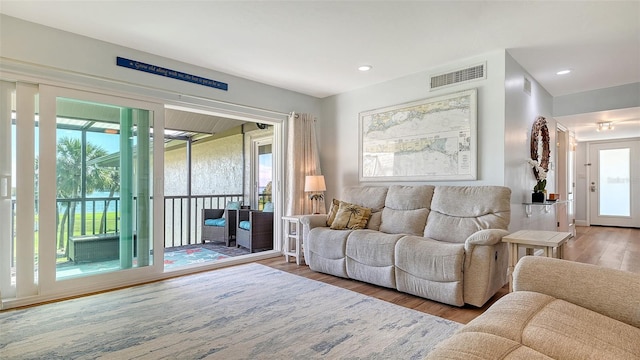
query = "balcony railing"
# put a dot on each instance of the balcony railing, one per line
(183, 216)
(93, 216)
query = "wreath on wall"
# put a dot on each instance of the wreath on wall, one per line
(540, 150)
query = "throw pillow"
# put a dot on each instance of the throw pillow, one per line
(351, 216)
(268, 207)
(233, 205)
(335, 204)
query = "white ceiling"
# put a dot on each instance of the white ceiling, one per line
(314, 47)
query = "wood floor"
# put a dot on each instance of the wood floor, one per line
(617, 248)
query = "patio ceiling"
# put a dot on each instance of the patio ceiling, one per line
(78, 115)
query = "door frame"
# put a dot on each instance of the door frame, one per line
(565, 173)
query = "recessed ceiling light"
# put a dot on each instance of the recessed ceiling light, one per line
(365, 67)
(563, 72)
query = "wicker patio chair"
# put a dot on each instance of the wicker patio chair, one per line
(254, 230)
(223, 230)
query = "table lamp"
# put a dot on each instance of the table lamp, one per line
(315, 185)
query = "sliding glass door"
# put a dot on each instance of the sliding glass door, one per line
(79, 176)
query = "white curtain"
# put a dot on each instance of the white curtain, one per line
(302, 160)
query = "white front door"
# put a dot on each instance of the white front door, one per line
(614, 183)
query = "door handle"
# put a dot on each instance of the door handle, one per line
(593, 187)
(5, 190)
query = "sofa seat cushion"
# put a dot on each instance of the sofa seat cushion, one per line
(326, 250)
(476, 345)
(430, 269)
(557, 328)
(370, 257)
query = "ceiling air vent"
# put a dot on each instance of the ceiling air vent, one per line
(459, 76)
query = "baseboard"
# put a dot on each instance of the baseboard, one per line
(582, 223)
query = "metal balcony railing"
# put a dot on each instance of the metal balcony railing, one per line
(94, 216)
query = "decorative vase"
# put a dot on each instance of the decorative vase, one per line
(537, 197)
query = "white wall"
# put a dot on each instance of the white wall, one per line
(520, 112)
(32, 46)
(617, 97)
(338, 123)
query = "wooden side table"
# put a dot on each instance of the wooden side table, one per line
(534, 239)
(293, 238)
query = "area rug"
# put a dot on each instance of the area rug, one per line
(172, 259)
(243, 312)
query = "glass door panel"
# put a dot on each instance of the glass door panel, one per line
(265, 173)
(104, 159)
(615, 181)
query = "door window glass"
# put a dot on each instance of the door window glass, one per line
(615, 190)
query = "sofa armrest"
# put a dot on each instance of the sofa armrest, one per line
(484, 237)
(316, 220)
(312, 221)
(611, 292)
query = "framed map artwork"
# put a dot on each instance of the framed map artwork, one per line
(433, 139)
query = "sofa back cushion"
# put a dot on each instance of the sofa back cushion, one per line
(459, 211)
(406, 209)
(372, 197)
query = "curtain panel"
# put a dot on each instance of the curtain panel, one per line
(302, 160)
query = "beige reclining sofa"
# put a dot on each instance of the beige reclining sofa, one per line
(438, 242)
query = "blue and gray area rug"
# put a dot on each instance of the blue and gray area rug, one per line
(243, 312)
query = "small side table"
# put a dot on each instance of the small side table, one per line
(293, 238)
(534, 239)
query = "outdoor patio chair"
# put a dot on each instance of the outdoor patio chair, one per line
(220, 224)
(255, 229)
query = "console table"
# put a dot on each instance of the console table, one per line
(534, 239)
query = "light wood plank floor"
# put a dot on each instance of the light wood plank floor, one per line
(617, 248)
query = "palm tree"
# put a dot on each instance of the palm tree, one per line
(111, 181)
(69, 178)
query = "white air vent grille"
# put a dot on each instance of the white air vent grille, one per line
(455, 77)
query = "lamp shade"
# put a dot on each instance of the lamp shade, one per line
(314, 183)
